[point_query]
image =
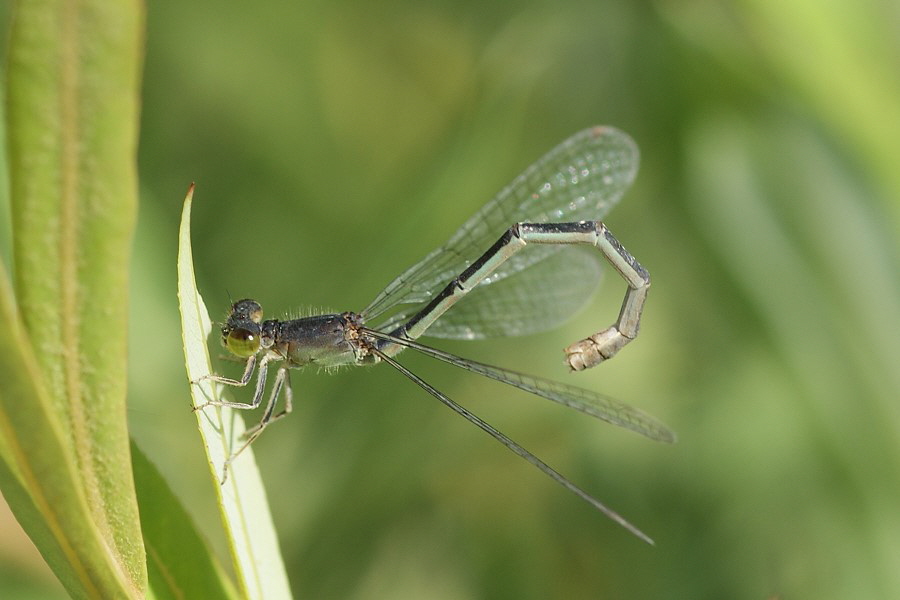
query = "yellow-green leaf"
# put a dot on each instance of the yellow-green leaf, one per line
(242, 498)
(72, 97)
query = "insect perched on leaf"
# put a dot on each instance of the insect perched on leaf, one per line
(503, 273)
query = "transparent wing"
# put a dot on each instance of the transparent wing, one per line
(537, 299)
(585, 401)
(579, 180)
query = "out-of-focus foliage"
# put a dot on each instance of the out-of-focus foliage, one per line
(334, 143)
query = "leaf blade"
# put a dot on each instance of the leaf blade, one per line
(242, 499)
(72, 95)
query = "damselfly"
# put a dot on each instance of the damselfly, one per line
(500, 290)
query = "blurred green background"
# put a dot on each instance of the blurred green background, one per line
(335, 143)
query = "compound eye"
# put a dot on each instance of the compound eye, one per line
(242, 342)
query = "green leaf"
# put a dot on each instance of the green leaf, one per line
(179, 562)
(39, 474)
(242, 498)
(72, 100)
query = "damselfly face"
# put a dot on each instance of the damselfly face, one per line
(242, 332)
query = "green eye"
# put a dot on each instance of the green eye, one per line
(242, 342)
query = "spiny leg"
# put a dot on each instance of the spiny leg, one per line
(244, 380)
(262, 372)
(282, 381)
(580, 355)
(254, 432)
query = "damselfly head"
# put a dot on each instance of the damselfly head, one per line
(245, 310)
(241, 333)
